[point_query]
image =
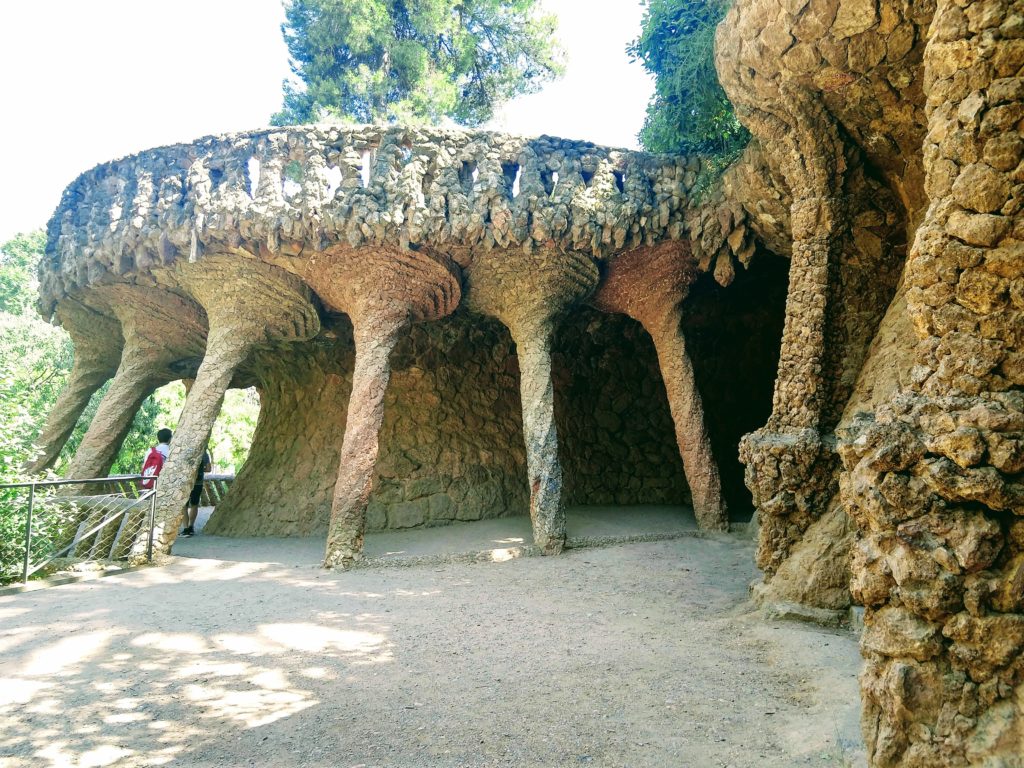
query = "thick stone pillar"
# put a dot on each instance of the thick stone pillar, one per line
(98, 343)
(528, 294)
(933, 476)
(133, 383)
(547, 513)
(248, 303)
(649, 285)
(382, 291)
(791, 462)
(163, 336)
(361, 445)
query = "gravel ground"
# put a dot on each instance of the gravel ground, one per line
(633, 655)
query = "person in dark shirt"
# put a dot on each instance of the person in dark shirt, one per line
(192, 510)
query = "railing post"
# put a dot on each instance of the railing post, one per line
(152, 520)
(28, 530)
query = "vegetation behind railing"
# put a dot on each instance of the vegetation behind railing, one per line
(55, 525)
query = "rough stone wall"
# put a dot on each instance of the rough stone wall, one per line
(934, 475)
(451, 441)
(618, 444)
(923, 100)
(830, 91)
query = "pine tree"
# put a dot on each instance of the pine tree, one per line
(413, 60)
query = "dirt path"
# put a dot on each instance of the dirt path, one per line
(633, 655)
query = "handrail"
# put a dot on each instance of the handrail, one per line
(94, 480)
(146, 495)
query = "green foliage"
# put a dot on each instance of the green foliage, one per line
(232, 432)
(18, 260)
(413, 60)
(35, 361)
(689, 112)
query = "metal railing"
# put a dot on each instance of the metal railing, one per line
(88, 527)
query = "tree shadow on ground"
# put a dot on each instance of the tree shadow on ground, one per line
(624, 655)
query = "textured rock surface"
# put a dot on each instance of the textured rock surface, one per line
(923, 100)
(98, 343)
(934, 475)
(839, 187)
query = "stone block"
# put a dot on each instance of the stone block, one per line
(981, 188)
(898, 633)
(407, 514)
(977, 229)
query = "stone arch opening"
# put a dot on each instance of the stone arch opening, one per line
(734, 335)
(451, 442)
(285, 486)
(616, 439)
(231, 436)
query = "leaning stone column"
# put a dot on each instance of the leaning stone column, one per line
(248, 303)
(360, 447)
(163, 335)
(934, 476)
(649, 285)
(528, 294)
(98, 343)
(382, 291)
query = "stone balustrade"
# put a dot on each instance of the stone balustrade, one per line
(290, 191)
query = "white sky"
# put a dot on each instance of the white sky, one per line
(89, 81)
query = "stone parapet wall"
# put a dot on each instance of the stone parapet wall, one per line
(286, 191)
